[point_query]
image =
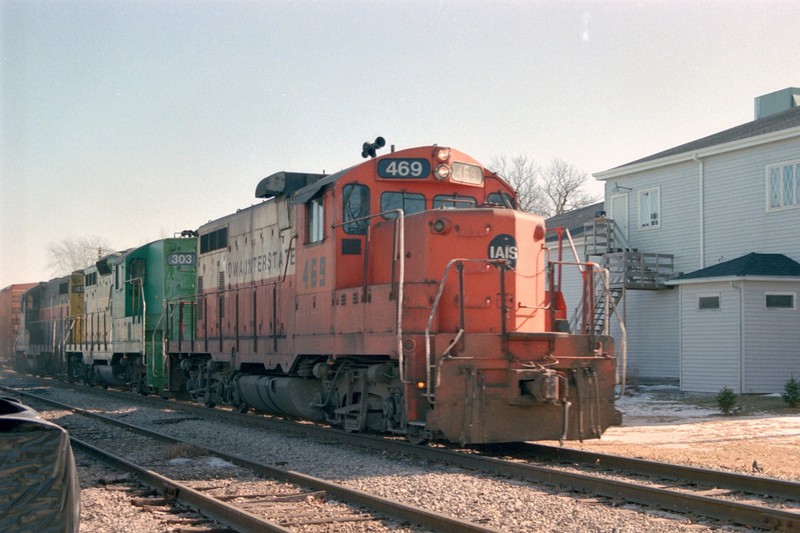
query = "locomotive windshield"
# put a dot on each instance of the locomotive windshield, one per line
(452, 201)
(408, 202)
(501, 198)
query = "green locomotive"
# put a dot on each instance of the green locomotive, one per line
(110, 330)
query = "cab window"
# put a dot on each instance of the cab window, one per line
(501, 198)
(355, 206)
(408, 202)
(445, 201)
(316, 217)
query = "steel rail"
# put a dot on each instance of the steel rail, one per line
(778, 488)
(208, 506)
(398, 510)
(724, 510)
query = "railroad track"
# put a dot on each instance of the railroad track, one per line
(752, 501)
(730, 498)
(756, 485)
(310, 500)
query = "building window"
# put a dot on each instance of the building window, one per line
(783, 185)
(708, 302)
(779, 300)
(650, 208)
(316, 217)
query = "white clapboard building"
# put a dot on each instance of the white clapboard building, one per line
(703, 245)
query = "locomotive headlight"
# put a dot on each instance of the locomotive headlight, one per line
(421, 385)
(440, 226)
(442, 172)
(442, 154)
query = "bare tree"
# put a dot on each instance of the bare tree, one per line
(564, 186)
(523, 174)
(73, 254)
(549, 191)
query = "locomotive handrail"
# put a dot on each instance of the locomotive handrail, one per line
(623, 330)
(288, 257)
(605, 277)
(140, 282)
(435, 306)
(400, 232)
(153, 343)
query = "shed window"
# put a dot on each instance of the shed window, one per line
(780, 301)
(708, 302)
(650, 208)
(783, 185)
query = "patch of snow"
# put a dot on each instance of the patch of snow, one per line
(219, 463)
(214, 462)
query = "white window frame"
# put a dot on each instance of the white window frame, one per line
(772, 308)
(709, 295)
(316, 220)
(782, 185)
(646, 219)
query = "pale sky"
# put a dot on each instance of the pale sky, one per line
(133, 120)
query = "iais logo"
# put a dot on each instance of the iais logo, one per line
(504, 247)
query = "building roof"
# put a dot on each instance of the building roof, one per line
(747, 266)
(785, 120)
(574, 220)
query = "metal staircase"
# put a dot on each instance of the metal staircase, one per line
(628, 268)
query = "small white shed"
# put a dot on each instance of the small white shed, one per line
(740, 325)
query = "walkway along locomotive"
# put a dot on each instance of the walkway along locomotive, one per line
(402, 295)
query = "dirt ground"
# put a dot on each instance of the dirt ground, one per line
(659, 423)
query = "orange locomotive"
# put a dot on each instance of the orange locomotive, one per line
(402, 295)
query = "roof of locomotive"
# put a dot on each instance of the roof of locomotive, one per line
(284, 183)
(309, 191)
(301, 187)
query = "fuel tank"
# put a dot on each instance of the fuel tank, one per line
(282, 395)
